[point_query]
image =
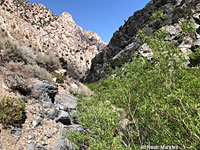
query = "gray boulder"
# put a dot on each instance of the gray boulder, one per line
(65, 102)
(63, 117)
(46, 91)
(52, 113)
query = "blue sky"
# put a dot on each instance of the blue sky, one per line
(101, 16)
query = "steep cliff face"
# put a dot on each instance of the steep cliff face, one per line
(125, 43)
(39, 28)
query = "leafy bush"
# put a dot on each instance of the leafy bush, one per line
(18, 82)
(158, 15)
(160, 98)
(102, 122)
(187, 27)
(11, 110)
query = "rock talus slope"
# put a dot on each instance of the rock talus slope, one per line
(39, 28)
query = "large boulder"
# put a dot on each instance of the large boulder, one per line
(45, 91)
(65, 102)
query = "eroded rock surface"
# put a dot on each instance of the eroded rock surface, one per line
(37, 27)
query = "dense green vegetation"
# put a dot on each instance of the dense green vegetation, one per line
(187, 27)
(148, 103)
(11, 110)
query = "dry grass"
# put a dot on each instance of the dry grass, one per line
(18, 82)
(50, 62)
(30, 70)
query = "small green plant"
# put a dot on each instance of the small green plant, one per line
(11, 110)
(59, 77)
(195, 54)
(195, 57)
(187, 27)
(158, 15)
(180, 38)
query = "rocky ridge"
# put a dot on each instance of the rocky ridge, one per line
(39, 28)
(125, 44)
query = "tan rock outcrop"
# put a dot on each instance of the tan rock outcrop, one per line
(37, 27)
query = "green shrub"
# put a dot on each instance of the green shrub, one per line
(59, 77)
(160, 98)
(18, 82)
(187, 27)
(158, 15)
(102, 122)
(195, 54)
(11, 110)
